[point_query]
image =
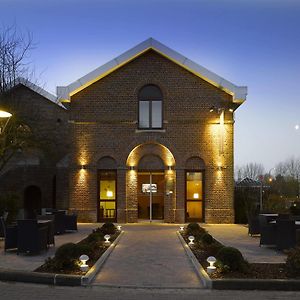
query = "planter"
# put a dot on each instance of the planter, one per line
(235, 283)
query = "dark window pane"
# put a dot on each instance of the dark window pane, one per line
(144, 114)
(150, 92)
(156, 114)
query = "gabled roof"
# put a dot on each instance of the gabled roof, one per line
(248, 182)
(38, 90)
(239, 93)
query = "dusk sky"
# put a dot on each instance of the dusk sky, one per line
(252, 43)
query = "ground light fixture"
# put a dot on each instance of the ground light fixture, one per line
(191, 239)
(119, 227)
(181, 228)
(84, 258)
(107, 237)
(211, 260)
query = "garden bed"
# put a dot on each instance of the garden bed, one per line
(66, 259)
(232, 265)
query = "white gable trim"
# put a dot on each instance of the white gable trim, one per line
(239, 93)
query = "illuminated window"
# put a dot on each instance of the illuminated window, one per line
(107, 195)
(150, 107)
(194, 196)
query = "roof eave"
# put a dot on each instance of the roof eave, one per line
(239, 93)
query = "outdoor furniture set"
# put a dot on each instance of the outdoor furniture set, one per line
(278, 230)
(34, 235)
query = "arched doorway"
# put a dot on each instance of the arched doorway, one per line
(150, 184)
(32, 202)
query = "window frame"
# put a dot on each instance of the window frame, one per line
(150, 101)
(107, 200)
(186, 200)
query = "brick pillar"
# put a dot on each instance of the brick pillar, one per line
(180, 196)
(121, 194)
(131, 196)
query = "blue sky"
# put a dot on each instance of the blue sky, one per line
(254, 43)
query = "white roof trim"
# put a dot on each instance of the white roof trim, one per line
(38, 90)
(239, 93)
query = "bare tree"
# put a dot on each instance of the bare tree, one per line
(14, 54)
(15, 48)
(289, 168)
(251, 170)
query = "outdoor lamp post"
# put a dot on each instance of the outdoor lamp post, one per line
(4, 116)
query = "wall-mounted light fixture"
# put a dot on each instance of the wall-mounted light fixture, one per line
(83, 167)
(131, 168)
(170, 168)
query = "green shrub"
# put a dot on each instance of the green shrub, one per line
(95, 237)
(293, 262)
(232, 258)
(108, 228)
(66, 256)
(207, 239)
(195, 230)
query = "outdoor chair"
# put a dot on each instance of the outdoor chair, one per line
(70, 222)
(285, 234)
(10, 234)
(253, 225)
(267, 232)
(31, 237)
(59, 222)
(50, 225)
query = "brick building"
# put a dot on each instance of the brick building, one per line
(149, 137)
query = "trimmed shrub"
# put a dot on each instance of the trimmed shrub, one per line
(195, 230)
(207, 239)
(108, 228)
(232, 258)
(95, 237)
(293, 262)
(66, 256)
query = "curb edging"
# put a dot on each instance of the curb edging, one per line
(205, 279)
(238, 284)
(58, 279)
(89, 276)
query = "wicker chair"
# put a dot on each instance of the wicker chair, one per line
(10, 234)
(286, 234)
(51, 227)
(267, 232)
(31, 238)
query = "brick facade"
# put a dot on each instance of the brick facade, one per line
(100, 128)
(104, 123)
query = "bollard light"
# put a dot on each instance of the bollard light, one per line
(107, 237)
(211, 260)
(119, 227)
(84, 258)
(181, 228)
(191, 239)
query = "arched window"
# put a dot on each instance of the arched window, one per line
(150, 107)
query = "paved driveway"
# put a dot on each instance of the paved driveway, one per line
(235, 235)
(149, 256)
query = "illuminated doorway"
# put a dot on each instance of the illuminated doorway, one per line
(107, 198)
(151, 191)
(194, 196)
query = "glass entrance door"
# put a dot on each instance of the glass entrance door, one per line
(151, 186)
